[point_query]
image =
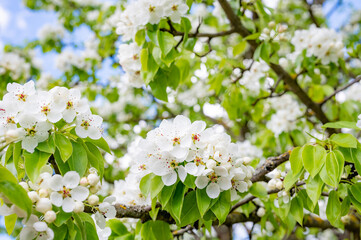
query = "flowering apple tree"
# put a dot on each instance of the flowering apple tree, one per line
(216, 119)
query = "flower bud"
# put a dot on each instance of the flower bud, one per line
(84, 182)
(34, 197)
(79, 207)
(50, 216)
(94, 189)
(93, 200)
(43, 205)
(247, 160)
(282, 28)
(266, 31)
(24, 185)
(43, 193)
(93, 179)
(271, 24)
(261, 212)
(279, 185)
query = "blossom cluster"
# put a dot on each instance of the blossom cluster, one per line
(138, 13)
(68, 59)
(276, 183)
(13, 64)
(287, 113)
(254, 73)
(129, 59)
(50, 32)
(179, 148)
(323, 43)
(69, 192)
(274, 32)
(28, 115)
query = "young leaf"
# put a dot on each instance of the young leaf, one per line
(334, 167)
(34, 162)
(190, 212)
(333, 209)
(10, 222)
(203, 201)
(64, 146)
(17, 195)
(144, 184)
(313, 158)
(222, 206)
(78, 160)
(341, 124)
(296, 160)
(156, 186)
(297, 209)
(258, 190)
(177, 201)
(314, 189)
(344, 140)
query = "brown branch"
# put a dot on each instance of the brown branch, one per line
(270, 164)
(53, 163)
(313, 18)
(198, 34)
(357, 79)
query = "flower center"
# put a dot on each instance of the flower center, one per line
(142, 167)
(45, 109)
(175, 7)
(198, 161)
(21, 96)
(69, 105)
(85, 124)
(135, 57)
(10, 120)
(151, 8)
(176, 141)
(31, 131)
(173, 164)
(65, 192)
(213, 177)
(195, 138)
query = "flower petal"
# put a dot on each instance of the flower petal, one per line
(170, 178)
(213, 190)
(201, 181)
(79, 193)
(56, 199)
(71, 179)
(56, 182)
(68, 204)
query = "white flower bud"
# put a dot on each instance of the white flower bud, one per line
(271, 24)
(277, 174)
(247, 160)
(345, 219)
(84, 182)
(79, 207)
(50, 216)
(24, 185)
(282, 28)
(34, 197)
(93, 200)
(43, 193)
(269, 227)
(94, 189)
(279, 185)
(261, 212)
(271, 184)
(266, 31)
(93, 179)
(43, 205)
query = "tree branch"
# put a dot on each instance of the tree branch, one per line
(313, 18)
(357, 79)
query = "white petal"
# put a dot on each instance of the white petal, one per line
(170, 178)
(213, 190)
(201, 181)
(191, 168)
(224, 183)
(110, 199)
(40, 226)
(111, 213)
(28, 233)
(79, 193)
(69, 115)
(68, 204)
(94, 133)
(56, 182)
(71, 179)
(29, 144)
(182, 173)
(181, 123)
(179, 152)
(56, 199)
(100, 220)
(197, 127)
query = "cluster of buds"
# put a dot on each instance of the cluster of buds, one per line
(274, 32)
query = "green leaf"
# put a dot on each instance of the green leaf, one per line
(156, 186)
(344, 140)
(17, 195)
(63, 166)
(334, 167)
(333, 209)
(61, 218)
(117, 227)
(166, 41)
(145, 183)
(203, 201)
(10, 222)
(291, 179)
(140, 37)
(222, 206)
(61, 232)
(101, 143)
(313, 158)
(166, 194)
(47, 146)
(159, 87)
(78, 161)
(9, 153)
(297, 209)
(6, 175)
(34, 162)
(345, 206)
(86, 223)
(177, 201)
(296, 160)
(341, 124)
(258, 190)
(95, 157)
(64, 146)
(18, 161)
(314, 189)
(190, 212)
(239, 48)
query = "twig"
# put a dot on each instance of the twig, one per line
(357, 79)
(313, 18)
